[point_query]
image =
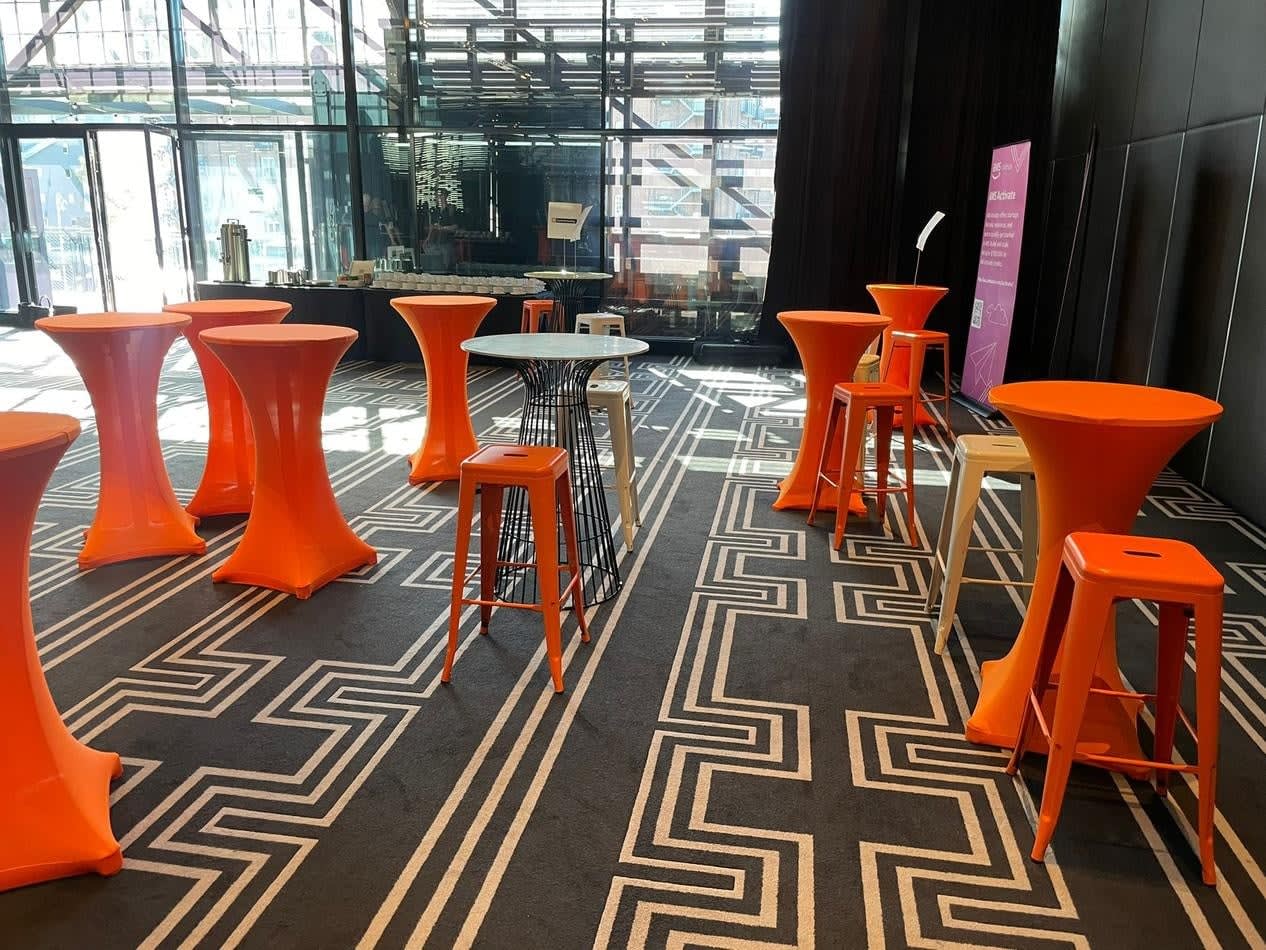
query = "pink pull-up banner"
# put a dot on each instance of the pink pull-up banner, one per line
(996, 275)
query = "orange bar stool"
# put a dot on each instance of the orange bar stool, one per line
(895, 340)
(296, 539)
(120, 356)
(542, 472)
(1097, 571)
(534, 312)
(440, 323)
(851, 403)
(54, 791)
(228, 479)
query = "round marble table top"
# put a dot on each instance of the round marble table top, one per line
(554, 346)
(568, 275)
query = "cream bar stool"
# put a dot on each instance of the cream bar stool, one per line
(612, 397)
(867, 372)
(603, 324)
(974, 457)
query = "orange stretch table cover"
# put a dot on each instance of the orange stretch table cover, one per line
(54, 791)
(440, 324)
(228, 478)
(296, 539)
(830, 342)
(1096, 449)
(120, 356)
(909, 306)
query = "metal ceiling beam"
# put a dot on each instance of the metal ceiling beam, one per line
(36, 44)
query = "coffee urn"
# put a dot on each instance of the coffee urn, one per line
(234, 251)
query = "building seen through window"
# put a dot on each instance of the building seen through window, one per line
(441, 141)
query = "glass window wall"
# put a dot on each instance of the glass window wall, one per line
(466, 118)
(475, 204)
(87, 60)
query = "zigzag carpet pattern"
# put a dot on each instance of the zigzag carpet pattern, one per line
(759, 748)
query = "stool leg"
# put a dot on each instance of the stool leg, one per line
(1171, 651)
(1028, 527)
(966, 498)
(834, 415)
(1082, 641)
(565, 506)
(941, 553)
(949, 427)
(1056, 621)
(628, 424)
(620, 328)
(489, 540)
(1208, 711)
(850, 462)
(621, 448)
(907, 424)
(542, 499)
(465, 512)
(883, 457)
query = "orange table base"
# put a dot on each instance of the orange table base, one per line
(440, 323)
(909, 306)
(830, 344)
(1096, 449)
(296, 539)
(228, 479)
(120, 356)
(54, 791)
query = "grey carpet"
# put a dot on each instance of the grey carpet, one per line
(758, 749)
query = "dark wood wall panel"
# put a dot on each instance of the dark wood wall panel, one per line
(1052, 330)
(1092, 297)
(1231, 62)
(1138, 265)
(1116, 89)
(1078, 67)
(1167, 68)
(1203, 262)
(1175, 282)
(1237, 451)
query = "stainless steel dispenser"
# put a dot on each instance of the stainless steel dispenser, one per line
(235, 252)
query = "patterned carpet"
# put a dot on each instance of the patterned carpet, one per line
(758, 749)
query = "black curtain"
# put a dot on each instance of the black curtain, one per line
(838, 139)
(856, 182)
(984, 75)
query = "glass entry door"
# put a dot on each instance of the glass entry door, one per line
(59, 232)
(102, 226)
(143, 234)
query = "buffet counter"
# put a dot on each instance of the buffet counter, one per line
(384, 336)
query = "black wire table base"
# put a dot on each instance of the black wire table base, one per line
(569, 295)
(556, 412)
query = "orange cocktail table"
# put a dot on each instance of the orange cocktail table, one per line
(228, 479)
(441, 323)
(119, 356)
(296, 539)
(831, 342)
(1096, 449)
(54, 791)
(908, 305)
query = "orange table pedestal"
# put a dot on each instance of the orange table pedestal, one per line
(296, 539)
(1096, 449)
(228, 479)
(54, 791)
(830, 344)
(119, 356)
(441, 323)
(908, 305)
